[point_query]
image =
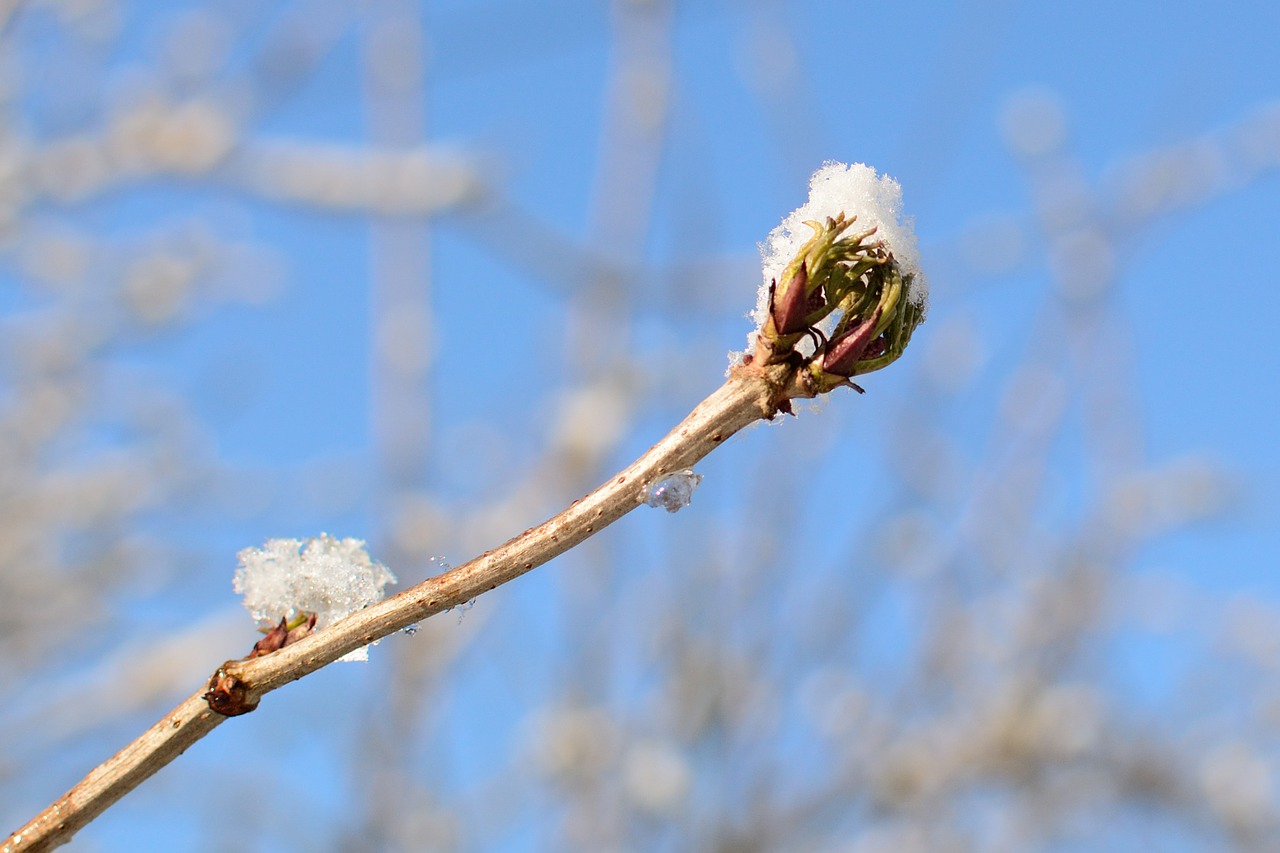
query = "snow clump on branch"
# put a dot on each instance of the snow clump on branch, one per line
(287, 579)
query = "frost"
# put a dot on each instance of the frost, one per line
(325, 576)
(673, 492)
(855, 190)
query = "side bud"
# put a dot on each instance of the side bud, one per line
(878, 319)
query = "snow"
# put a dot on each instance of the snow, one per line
(857, 191)
(324, 575)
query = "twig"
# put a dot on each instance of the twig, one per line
(752, 392)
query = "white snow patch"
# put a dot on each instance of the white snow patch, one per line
(326, 576)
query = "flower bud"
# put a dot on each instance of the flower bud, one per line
(856, 296)
(874, 329)
(814, 283)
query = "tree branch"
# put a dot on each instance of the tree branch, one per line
(752, 392)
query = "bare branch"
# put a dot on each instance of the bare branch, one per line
(751, 393)
(117, 776)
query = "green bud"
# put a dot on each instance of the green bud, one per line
(816, 281)
(853, 280)
(878, 318)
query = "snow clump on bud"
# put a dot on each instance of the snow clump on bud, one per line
(842, 289)
(325, 576)
(855, 191)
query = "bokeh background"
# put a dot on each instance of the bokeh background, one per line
(422, 273)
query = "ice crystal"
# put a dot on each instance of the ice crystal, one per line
(326, 576)
(462, 608)
(673, 492)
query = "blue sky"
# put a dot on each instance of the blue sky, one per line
(760, 94)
